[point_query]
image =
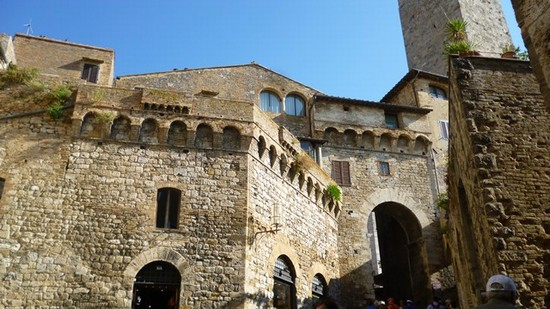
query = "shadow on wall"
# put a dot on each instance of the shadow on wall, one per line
(402, 275)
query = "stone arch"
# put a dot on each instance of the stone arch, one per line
(281, 247)
(262, 146)
(301, 180)
(177, 134)
(331, 134)
(367, 140)
(120, 129)
(89, 127)
(385, 142)
(349, 138)
(204, 136)
(155, 254)
(231, 138)
(403, 143)
(421, 145)
(283, 164)
(272, 156)
(148, 131)
(402, 253)
(310, 186)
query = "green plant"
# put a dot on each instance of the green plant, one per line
(523, 55)
(456, 30)
(61, 93)
(443, 201)
(452, 48)
(105, 117)
(55, 111)
(334, 192)
(510, 48)
(18, 76)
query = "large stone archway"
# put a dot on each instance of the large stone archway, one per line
(403, 265)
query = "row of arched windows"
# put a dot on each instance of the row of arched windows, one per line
(294, 171)
(294, 104)
(121, 130)
(284, 286)
(158, 284)
(369, 140)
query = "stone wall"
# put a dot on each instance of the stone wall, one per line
(499, 181)
(533, 18)
(63, 59)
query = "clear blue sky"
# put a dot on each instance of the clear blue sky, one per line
(354, 50)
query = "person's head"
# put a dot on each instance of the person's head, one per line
(325, 303)
(501, 287)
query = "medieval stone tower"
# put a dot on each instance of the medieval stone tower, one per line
(423, 23)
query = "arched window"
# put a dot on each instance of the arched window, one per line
(318, 287)
(270, 102)
(168, 205)
(437, 92)
(87, 128)
(148, 131)
(157, 285)
(177, 134)
(294, 105)
(120, 129)
(231, 138)
(204, 137)
(284, 290)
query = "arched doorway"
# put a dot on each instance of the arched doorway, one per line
(399, 258)
(157, 285)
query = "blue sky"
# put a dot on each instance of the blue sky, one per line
(354, 50)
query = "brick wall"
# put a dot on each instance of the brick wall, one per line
(499, 181)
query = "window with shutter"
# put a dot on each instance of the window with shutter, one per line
(341, 173)
(90, 72)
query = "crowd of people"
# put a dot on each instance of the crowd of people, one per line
(500, 292)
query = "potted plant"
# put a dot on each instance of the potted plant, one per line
(456, 42)
(510, 51)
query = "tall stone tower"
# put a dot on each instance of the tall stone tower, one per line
(424, 21)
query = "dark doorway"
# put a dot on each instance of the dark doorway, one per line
(404, 270)
(157, 285)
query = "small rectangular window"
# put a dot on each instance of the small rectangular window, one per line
(444, 129)
(312, 149)
(391, 121)
(341, 173)
(384, 168)
(90, 72)
(168, 204)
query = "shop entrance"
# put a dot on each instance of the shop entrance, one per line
(157, 285)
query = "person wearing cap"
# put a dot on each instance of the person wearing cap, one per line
(501, 293)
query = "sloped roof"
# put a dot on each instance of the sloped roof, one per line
(252, 64)
(409, 77)
(384, 106)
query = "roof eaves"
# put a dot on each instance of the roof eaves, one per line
(409, 77)
(384, 106)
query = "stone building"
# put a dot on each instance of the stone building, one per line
(211, 187)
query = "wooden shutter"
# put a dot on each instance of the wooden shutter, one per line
(341, 173)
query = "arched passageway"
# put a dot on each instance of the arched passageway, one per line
(157, 285)
(399, 257)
